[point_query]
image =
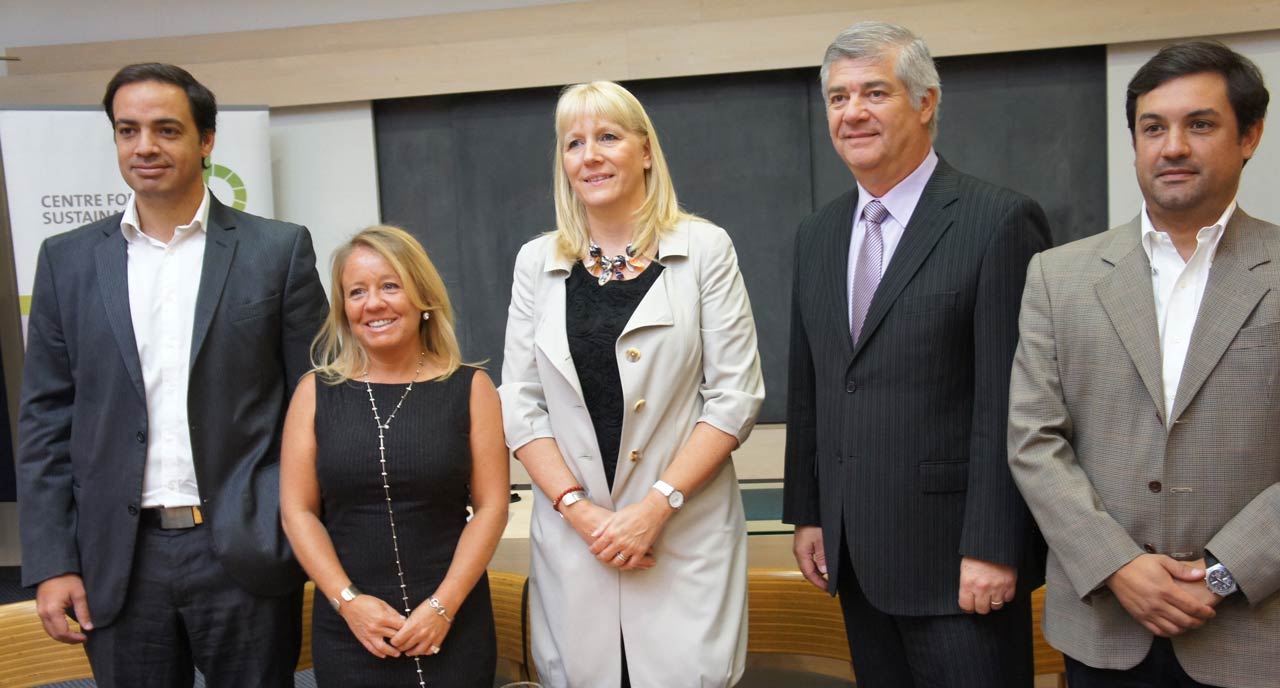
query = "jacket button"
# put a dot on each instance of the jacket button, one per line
(133, 510)
(1154, 486)
(1150, 548)
(850, 387)
(142, 437)
(635, 455)
(633, 355)
(639, 405)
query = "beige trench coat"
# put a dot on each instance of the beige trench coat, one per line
(689, 353)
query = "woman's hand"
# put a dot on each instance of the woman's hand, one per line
(585, 517)
(625, 540)
(372, 621)
(423, 633)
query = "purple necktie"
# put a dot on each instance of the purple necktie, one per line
(866, 275)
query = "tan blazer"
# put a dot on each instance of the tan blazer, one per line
(689, 354)
(1107, 478)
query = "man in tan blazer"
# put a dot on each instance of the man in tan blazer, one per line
(1145, 402)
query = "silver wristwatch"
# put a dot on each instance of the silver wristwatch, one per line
(675, 498)
(346, 594)
(1219, 579)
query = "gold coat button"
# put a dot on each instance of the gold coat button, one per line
(633, 355)
(635, 455)
(639, 405)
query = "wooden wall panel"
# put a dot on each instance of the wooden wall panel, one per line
(579, 41)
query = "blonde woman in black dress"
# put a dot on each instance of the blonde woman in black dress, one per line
(385, 443)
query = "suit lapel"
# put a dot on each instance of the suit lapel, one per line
(219, 249)
(113, 284)
(933, 216)
(833, 263)
(1229, 297)
(1129, 300)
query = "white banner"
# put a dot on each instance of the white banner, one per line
(60, 172)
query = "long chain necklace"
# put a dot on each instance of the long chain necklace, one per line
(610, 268)
(386, 487)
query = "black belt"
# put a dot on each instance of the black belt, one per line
(174, 517)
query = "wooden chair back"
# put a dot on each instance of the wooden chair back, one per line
(30, 656)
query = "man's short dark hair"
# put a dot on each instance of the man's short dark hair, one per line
(1245, 89)
(204, 107)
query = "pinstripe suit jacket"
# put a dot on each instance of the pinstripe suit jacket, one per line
(896, 444)
(1108, 478)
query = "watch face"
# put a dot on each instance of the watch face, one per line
(676, 499)
(1220, 581)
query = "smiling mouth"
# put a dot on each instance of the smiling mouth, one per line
(597, 178)
(375, 324)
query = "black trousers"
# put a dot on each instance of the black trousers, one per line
(184, 612)
(952, 651)
(1159, 669)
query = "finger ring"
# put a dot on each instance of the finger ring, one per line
(435, 649)
(621, 557)
(997, 604)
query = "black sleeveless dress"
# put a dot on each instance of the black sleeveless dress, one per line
(429, 467)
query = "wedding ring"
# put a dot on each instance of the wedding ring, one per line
(435, 649)
(621, 557)
(997, 603)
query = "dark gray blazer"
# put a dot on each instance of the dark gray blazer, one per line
(897, 445)
(83, 423)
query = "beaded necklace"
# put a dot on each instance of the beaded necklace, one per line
(386, 487)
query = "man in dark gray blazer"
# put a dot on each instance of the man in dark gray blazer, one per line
(1144, 402)
(163, 346)
(904, 323)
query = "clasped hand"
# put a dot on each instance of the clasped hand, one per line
(1168, 597)
(384, 632)
(622, 539)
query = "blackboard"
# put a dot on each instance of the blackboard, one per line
(470, 174)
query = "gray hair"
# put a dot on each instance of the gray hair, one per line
(873, 40)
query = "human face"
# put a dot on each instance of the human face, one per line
(158, 146)
(605, 164)
(378, 310)
(1188, 151)
(874, 125)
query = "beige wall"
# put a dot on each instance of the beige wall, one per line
(604, 39)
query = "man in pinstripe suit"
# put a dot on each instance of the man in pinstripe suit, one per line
(1144, 402)
(904, 317)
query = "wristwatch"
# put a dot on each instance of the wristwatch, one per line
(675, 498)
(1218, 578)
(347, 594)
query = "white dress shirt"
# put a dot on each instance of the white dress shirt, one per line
(1179, 288)
(163, 282)
(901, 202)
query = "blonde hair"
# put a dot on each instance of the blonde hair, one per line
(336, 354)
(660, 210)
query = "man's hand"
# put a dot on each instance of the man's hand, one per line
(811, 556)
(985, 586)
(1193, 582)
(53, 597)
(1155, 590)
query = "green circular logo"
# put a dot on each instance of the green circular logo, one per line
(239, 195)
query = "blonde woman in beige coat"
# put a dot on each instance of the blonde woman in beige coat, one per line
(630, 374)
